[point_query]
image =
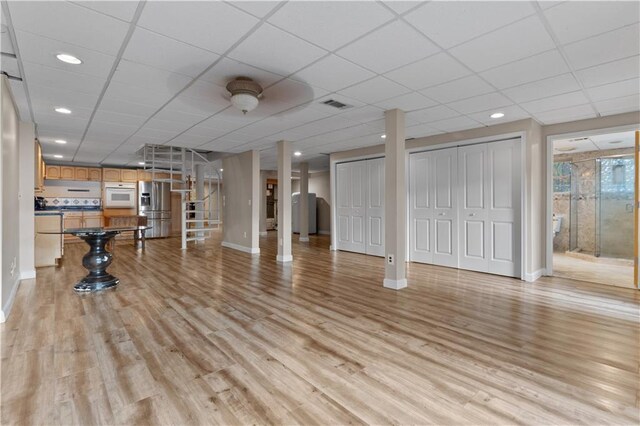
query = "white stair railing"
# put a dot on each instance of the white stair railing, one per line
(199, 217)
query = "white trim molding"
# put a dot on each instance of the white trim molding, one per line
(263, 233)
(284, 259)
(6, 309)
(27, 275)
(323, 232)
(303, 239)
(530, 277)
(394, 284)
(240, 248)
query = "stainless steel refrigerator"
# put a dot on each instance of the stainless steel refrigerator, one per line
(154, 201)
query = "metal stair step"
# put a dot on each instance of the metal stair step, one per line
(200, 229)
(197, 238)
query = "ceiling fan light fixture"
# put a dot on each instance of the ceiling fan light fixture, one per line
(245, 93)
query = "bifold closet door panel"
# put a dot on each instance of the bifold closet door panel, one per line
(350, 220)
(473, 199)
(421, 207)
(374, 211)
(445, 207)
(504, 208)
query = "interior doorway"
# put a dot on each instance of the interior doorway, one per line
(593, 208)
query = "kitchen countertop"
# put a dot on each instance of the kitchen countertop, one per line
(48, 213)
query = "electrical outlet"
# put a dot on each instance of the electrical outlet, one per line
(249, 201)
(280, 242)
(390, 259)
(12, 268)
(245, 235)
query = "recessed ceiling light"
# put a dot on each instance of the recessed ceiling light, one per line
(297, 153)
(383, 136)
(60, 141)
(57, 156)
(566, 149)
(141, 163)
(614, 142)
(62, 110)
(69, 59)
(497, 115)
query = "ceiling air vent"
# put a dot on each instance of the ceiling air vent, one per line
(336, 104)
(578, 139)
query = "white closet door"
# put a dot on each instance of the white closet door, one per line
(445, 208)
(473, 197)
(504, 191)
(375, 207)
(421, 207)
(350, 190)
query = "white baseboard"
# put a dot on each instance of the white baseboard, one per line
(394, 284)
(240, 248)
(534, 276)
(27, 275)
(321, 232)
(303, 239)
(263, 233)
(6, 309)
(284, 259)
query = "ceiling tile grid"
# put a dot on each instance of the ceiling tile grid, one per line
(450, 65)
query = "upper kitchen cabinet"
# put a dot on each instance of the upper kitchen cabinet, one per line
(144, 175)
(67, 173)
(39, 169)
(80, 173)
(52, 172)
(111, 175)
(128, 175)
(95, 174)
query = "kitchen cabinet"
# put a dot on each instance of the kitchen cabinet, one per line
(111, 175)
(67, 173)
(95, 174)
(80, 173)
(92, 219)
(82, 219)
(39, 169)
(48, 247)
(72, 220)
(52, 172)
(128, 175)
(144, 175)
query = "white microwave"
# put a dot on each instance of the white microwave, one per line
(118, 195)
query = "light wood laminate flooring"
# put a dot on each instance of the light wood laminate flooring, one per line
(215, 336)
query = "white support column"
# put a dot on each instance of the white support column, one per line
(263, 203)
(304, 202)
(284, 202)
(395, 201)
(199, 175)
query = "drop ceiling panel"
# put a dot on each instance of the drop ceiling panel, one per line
(511, 113)
(430, 115)
(555, 102)
(620, 140)
(73, 24)
(557, 85)
(118, 118)
(573, 146)
(330, 24)
(573, 21)
(160, 82)
(537, 67)
(471, 18)
(60, 79)
(19, 95)
(123, 10)
(610, 72)
(268, 42)
(607, 47)
(5, 42)
(615, 90)
(480, 103)
(374, 90)
(257, 8)
(333, 73)
(431, 71)
(213, 26)
(42, 50)
(290, 93)
(409, 102)
(70, 124)
(462, 88)
(389, 47)
(579, 112)
(511, 43)
(455, 124)
(155, 50)
(133, 99)
(421, 131)
(10, 66)
(618, 105)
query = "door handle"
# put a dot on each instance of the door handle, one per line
(472, 214)
(441, 214)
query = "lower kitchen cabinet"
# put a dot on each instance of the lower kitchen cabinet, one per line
(48, 247)
(87, 219)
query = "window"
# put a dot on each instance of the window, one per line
(562, 176)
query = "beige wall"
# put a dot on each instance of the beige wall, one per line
(241, 205)
(9, 190)
(27, 183)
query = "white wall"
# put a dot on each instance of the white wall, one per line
(241, 205)
(26, 193)
(9, 184)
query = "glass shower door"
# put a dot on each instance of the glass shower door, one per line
(617, 183)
